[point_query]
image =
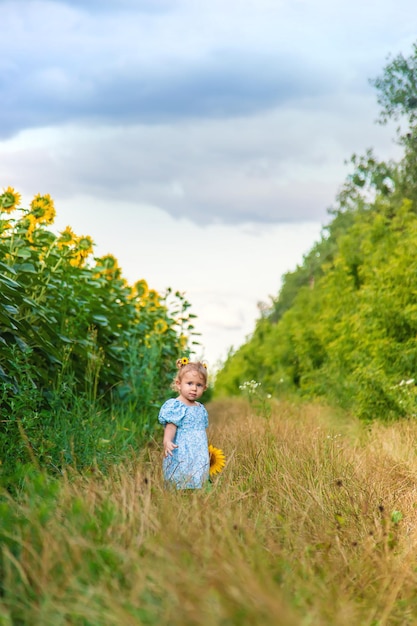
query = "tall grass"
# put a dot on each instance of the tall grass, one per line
(311, 523)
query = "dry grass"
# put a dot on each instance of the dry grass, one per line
(313, 522)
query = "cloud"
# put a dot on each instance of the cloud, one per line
(228, 83)
(232, 113)
(277, 166)
(150, 67)
(223, 84)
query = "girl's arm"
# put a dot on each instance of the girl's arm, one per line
(169, 435)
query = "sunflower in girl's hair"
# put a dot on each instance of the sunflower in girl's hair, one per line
(217, 460)
(184, 361)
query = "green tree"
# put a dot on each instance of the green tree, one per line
(344, 323)
(397, 88)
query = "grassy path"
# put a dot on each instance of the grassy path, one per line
(313, 522)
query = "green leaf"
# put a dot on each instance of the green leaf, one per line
(23, 253)
(7, 268)
(100, 320)
(11, 309)
(25, 267)
(396, 517)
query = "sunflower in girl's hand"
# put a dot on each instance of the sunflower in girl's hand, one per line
(217, 460)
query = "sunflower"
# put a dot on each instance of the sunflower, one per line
(85, 244)
(184, 360)
(29, 222)
(182, 340)
(66, 237)
(160, 326)
(217, 460)
(108, 267)
(83, 248)
(4, 225)
(9, 200)
(141, 289)
(153, 297)
(43, 209)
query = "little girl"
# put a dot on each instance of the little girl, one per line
(186, 458)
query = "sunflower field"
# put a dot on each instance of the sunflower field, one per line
(85, 357)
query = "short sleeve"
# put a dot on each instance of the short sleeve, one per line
(172, 412)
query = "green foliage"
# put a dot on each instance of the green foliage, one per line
(78, 344)
(344, 324)
(397, 88)
(351, 335)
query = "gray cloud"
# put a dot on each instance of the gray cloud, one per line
(147, 66)
(228, 83)
(215, 112)
(283, 165)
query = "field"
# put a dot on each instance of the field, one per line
(312, 522)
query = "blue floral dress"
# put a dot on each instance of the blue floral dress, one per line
(188, 467)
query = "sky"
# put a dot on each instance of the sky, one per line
(201, 142)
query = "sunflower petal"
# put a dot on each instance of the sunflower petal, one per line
(217, 460)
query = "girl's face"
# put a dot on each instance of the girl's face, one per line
(190, 387)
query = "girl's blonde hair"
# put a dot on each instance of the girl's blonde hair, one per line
(184, 366)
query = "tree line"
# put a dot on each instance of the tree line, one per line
(344, 324)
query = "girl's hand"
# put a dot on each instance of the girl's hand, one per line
(169, 436)
(169, 446)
